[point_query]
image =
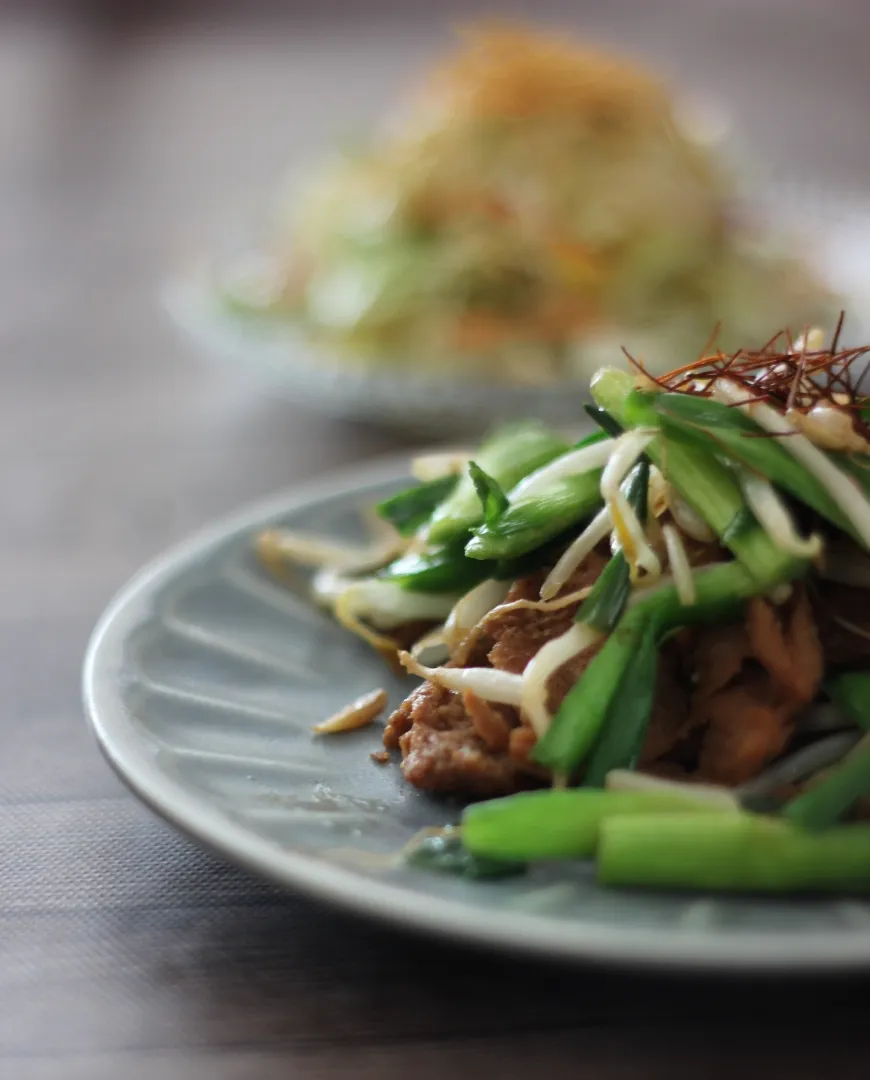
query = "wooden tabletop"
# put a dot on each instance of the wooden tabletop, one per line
(125, 143)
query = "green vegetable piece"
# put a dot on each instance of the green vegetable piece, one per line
(492, 498)
(526, 525)
(742, 526)
(636, 488)
(732, 853)
(706, 483)
(731, 433)
(559, 824)
(448, 855)
(508, 455)
(830, 799)
(583, 711)
(604, 420)
(524, 565)
(621, 740)
(411, 509)
(604, 604)
(856, 465)
(444, 569)
(850, 692)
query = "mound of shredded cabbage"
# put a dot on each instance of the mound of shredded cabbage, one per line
(536, 203)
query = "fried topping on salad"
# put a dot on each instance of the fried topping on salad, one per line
(504, 72)
(815, 385)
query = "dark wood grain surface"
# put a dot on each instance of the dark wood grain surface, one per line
(125, 952)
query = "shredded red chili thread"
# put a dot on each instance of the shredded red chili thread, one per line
(790, 377)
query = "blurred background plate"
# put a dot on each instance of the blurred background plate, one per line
(832, 230)
(203, 681)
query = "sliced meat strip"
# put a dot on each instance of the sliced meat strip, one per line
(443, 750)
(522, 743)
(488, 720)
(474, 650)
(563, 678)
(400, 720)
(719, 655)
(746, 728)
(787, 645)
(526, 588)
(753, 679)
(517, 635)
(463, 744)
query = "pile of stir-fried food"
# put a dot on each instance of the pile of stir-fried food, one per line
(664, 629)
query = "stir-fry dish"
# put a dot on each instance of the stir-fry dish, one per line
(651, 647)
(536, 202)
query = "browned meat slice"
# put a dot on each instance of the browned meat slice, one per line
(442, 749)
(474, 650)
(463, 744)
(400, 720)
(488, 721)
(522, 743)
(752, 680)
(517, 635)
(786, 643)
(526, 588)
(746, 728)
(720, 653)
(563, 678)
